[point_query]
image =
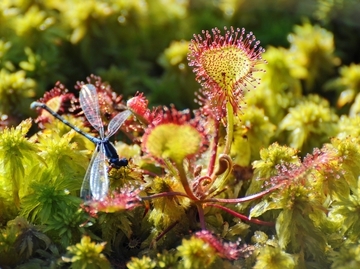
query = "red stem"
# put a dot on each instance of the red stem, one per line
(185, 182)
(241, 216)
(166, 230)
(163, 194)
(244, 199)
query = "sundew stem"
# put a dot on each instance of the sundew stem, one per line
(201, 216)
(163, 194)
(241, 216)
(170, 166)
(229, 127)
(185, 182)
(213, 154)
(246, 198)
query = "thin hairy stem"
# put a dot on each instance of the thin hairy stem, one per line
(213, 151)
(229, 127)
(244, 199)
(185, 182)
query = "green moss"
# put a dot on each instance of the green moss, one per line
(87, 254)
(312, 61)
(271, 257)
(347, 257)
(310, 123)
(280, 176)
(195, 253)
(17, 154)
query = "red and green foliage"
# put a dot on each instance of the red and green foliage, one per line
(263, 174)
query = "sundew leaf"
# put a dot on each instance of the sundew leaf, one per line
(173, 141)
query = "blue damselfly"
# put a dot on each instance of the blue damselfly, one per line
(96, 181)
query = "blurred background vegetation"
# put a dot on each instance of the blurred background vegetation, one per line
(309, 93)
(141, 45)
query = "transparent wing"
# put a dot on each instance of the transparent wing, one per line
(96, 182)
(99, 180)
(116, 122)
(90, 105)
(85, 192)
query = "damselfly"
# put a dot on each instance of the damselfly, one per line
(96, 180)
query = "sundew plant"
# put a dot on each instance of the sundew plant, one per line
(264, 173)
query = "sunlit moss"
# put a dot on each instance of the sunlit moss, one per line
(4, 58)
(312, 61)
(348, 151)
(276, 258)
(273, 156)
(31, 23)
(252, 133)
(349, 126)
(86, 254)
(167, 209)
(310, 123)
(348, 84)
(15, 91)
(278, 89)
(48, 196)
(60, 153)
(143, 263)
(195, 253)
(18, 154)
(346, 257)
(175, 55)
(292, 157)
